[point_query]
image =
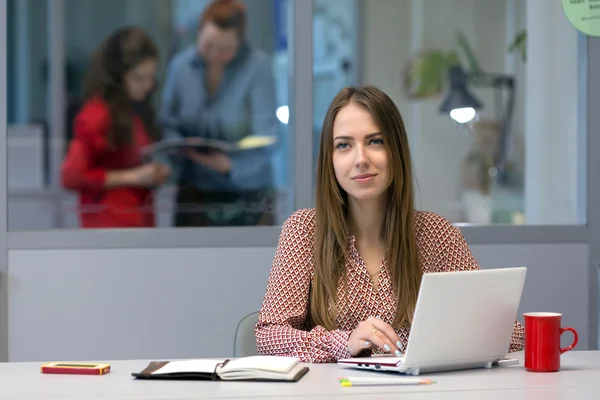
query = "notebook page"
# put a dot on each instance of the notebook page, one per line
(261, 363)
(200, 365)
(256, 141)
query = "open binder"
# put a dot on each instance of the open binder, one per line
(201, 144)
(255, 368)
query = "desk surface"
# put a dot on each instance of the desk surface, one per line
(579, 378)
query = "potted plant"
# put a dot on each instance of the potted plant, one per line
(426, 74)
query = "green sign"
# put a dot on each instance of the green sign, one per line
(584, 15)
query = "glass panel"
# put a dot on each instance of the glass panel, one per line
(516, 152)
(27, 113)
(217, 94)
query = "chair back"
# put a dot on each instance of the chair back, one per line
(245, 340)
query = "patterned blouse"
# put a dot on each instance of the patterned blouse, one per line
(282, 328)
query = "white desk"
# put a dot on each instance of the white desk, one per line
(579, 379)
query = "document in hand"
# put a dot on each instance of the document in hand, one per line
(203, 144)
(255, 368)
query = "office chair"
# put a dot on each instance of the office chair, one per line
(245, 341)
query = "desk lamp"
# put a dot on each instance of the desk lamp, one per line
(462, 105)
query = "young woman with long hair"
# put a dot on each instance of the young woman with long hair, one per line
(104, 160)
(346, 274)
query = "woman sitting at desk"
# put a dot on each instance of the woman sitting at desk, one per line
(222, 89)
(346, 275)
(103, 162)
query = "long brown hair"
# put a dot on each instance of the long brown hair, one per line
(332, 208)
(122, 51)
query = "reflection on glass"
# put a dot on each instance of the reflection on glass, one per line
(218, 83)
(493, 124)
(27, 116)
(104, 163)
(221, 88)
(335, 56)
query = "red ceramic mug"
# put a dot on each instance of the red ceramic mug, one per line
(542, 341)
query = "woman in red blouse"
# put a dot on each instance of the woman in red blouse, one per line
(103, 162)
(346, 275)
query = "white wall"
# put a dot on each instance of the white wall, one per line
(160, 303)
(334, 42)
(167, 303)
(553, 126)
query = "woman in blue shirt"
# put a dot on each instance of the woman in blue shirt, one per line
(222, 89)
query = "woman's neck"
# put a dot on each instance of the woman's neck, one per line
(215, 67)
(213, 78)
(365, 220)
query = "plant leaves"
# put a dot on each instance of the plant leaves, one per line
(426, 74)
(519, 45)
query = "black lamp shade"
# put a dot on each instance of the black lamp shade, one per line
(458, 95)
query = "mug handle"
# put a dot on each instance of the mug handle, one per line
(575, 339)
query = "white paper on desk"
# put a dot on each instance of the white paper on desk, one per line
(202, 366)
(261, 363)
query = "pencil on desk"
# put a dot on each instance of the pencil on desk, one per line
(374, 381)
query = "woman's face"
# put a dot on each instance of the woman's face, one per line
(217, 46)
(139, 80)
(360, 159)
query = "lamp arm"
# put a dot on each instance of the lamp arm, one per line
(499, 81)
(491, 80)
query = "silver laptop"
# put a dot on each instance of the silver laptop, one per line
(462, 320)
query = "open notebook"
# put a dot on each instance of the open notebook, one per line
(259, 368)
(203, 144)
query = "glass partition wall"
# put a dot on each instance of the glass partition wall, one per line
(518, 159)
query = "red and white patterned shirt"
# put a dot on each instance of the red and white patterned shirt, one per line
(282, 327)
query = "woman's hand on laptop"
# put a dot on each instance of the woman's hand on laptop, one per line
(373, 333)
